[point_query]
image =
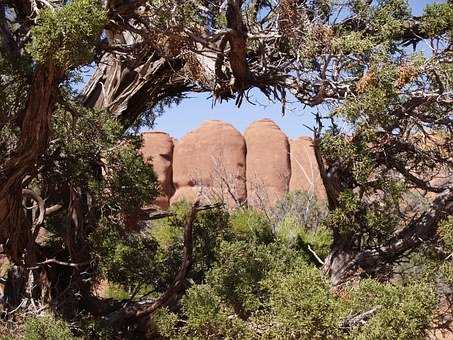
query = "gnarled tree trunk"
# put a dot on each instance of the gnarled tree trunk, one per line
(15, 229)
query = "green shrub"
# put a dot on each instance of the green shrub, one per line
(240, 268)
(207, 317)
(320, 240)
(237, 274)
(437, 19)
(130, 260)
(251, 225)
(209, 229)
(446, 234)
(47, 328)
(116, 292)
(202, 306)
(301, 306)
(302, 207)
(166, 233)
(404, 311)
(164, 323)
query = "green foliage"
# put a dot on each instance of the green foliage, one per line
(404, 312)
(296, 301)
(352, 42)
(297, 219)
(149, 259)
(320, 240)
(251, 225)
(13, 85)
(79, 137)
(116, 292)
(252, 274)
(437, 19)
(164, 323)
(166, 234)
(237, 275)
(130, 260)
(240, 268)
(202, 306)
(446, 272)
(13, 97)
(389, 18)
(67, 37)
(266, 289)
(340, 219)
(210, 229)
(446, 233)
(131, 183)
(89, 150)
(370, 221)
(303, 207)
(9, 138)
(47, 328)
(288, 230)
(301, 306)
(208, 318)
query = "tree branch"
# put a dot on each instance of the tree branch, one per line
(359, 319)
(139, 310)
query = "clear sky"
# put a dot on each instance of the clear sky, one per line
(188, 115)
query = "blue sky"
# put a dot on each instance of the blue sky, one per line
(180, 119)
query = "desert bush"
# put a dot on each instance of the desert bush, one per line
(403, 311)
(237, 274)
(298, 222)
(208, 317)
(301, 206)
(46, 327)
(251, 225)
(301, 305)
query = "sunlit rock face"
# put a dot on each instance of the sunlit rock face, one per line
(217, 163)
(268, 163)
(305, 174)
(210, 161)
(157, 149)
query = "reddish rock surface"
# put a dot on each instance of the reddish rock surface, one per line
(304, 168)
(268, 163)
(158, 149)
(218, 162)
(210, 160)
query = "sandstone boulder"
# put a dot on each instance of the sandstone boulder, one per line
(305, 174)
(158, 149)
(210, 160)
(268, 163)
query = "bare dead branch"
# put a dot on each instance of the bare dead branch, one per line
(61, 263)
(360, 319)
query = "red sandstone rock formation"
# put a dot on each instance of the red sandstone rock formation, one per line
(268, 163)
(158, 149)
(305, 174)
(210, 160)
(214, 160)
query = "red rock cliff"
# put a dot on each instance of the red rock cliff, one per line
(218, 163)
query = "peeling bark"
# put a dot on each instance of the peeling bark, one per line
(15, 229)
(129, 91)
